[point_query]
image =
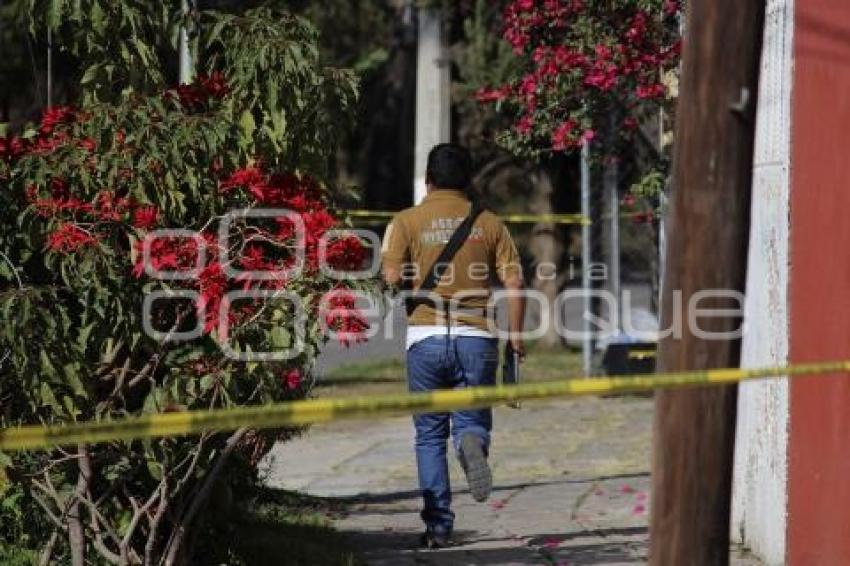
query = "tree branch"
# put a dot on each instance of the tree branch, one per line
(178, 537)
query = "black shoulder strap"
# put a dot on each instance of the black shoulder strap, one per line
(454, 244)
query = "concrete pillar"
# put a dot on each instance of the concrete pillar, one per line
(760, 493)
(433, 94)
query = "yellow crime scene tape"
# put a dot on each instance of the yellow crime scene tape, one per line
(319, 410)
(381, 216)
(641, 354)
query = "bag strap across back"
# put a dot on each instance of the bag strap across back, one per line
(459, 237)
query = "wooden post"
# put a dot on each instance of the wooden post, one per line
(707, 249)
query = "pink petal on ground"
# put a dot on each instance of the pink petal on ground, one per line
(498, 504)
(552, 543)
(639, 510)
(641, 496)
(627, 489)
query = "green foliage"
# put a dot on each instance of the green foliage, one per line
(294, 122)
(119, 44)
(483, 59)
(72, 342)
(354, 34)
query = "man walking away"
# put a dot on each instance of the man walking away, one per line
(449, 344)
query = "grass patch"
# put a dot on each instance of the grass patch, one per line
(274, 527)
(377, 376)
(370, 371)
(14, 556)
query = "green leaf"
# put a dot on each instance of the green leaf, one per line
(83, 338)
(72, 378)
(247, 124)
(47, 398)
(97, 18)
(91, 74)
(46, 365)
(207, 382)
(280, 338)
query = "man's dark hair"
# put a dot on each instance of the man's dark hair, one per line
(449, 167)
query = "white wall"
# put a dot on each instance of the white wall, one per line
(761, 456)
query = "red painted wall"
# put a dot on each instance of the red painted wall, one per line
(819, 446)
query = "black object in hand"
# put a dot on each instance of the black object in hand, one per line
(510, 370)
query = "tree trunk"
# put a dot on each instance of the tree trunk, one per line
(178, 550)
(707, 250)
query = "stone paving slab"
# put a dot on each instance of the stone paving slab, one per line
(571, 486)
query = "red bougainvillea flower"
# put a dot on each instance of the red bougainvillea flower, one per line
(342, 317)
(60, 201)
(213, 286)
(291, 378)
(525, 125)
(145, 217)
(168, 254)
(651, 91)
(197, 95)
(317, 223)
(110, 207)
(88, 144)
(215, 85)
(68, 238)
(563, 137)
(55, 116)
(487, 95)
(346, 254)
(254, 259)
(244, 178)
(643, 217)
(636, 31)
(12, 147)
(45, 145)
(564, 66)
(59, 188)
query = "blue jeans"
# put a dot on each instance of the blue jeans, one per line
(439, 362)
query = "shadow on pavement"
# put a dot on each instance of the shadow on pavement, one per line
(400, 548)
(396, 496)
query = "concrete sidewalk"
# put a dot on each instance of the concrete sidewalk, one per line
(571, 486)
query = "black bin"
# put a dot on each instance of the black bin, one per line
(629, 358)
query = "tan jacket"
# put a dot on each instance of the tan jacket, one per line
(415, 238)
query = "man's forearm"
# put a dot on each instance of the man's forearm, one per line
(516, 314)
(391, 276)
(516, 308)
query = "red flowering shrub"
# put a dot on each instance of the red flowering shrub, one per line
(196, 96)
(581, 60)
(121, 297)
